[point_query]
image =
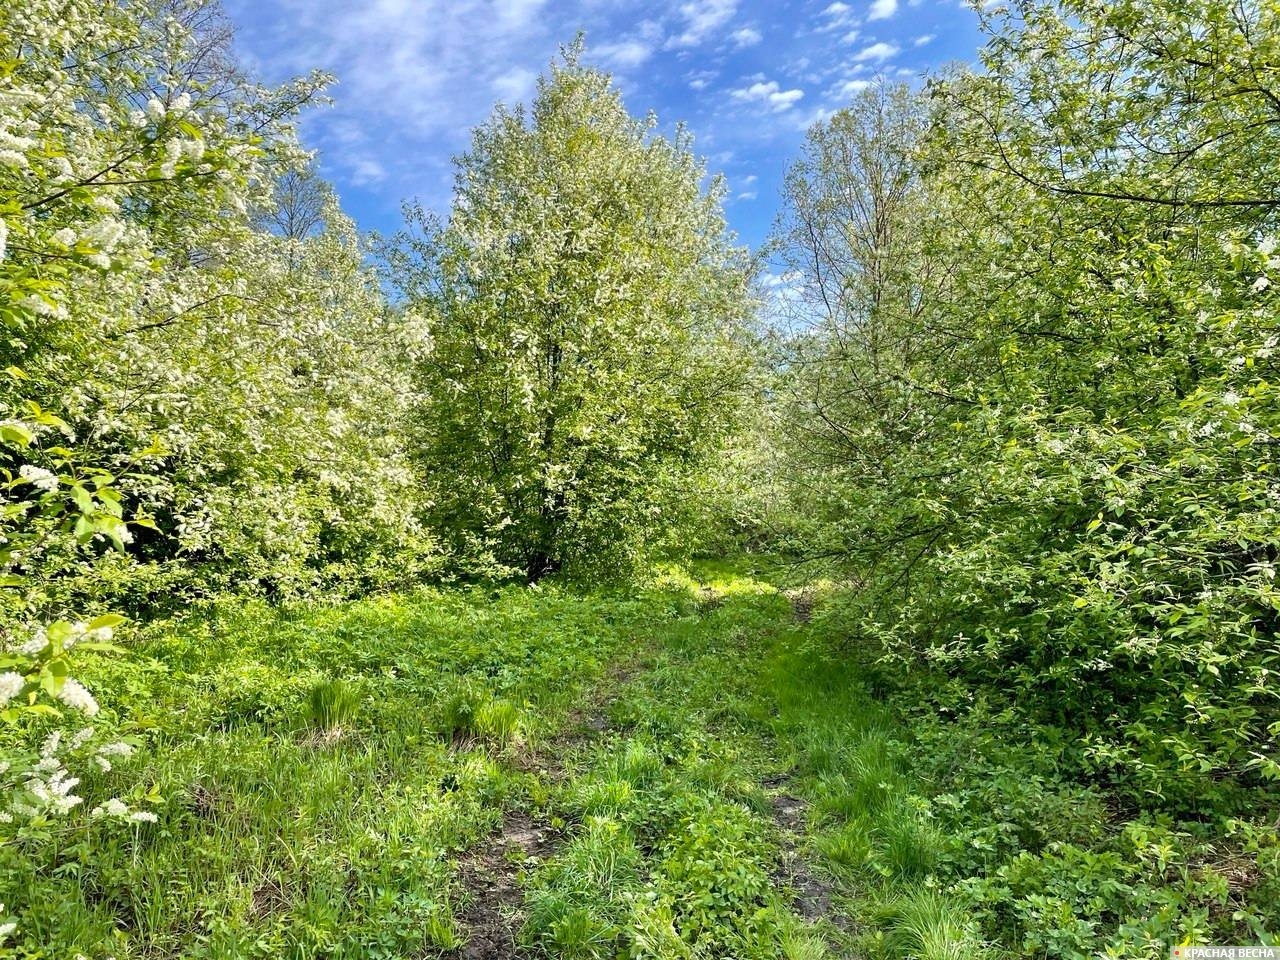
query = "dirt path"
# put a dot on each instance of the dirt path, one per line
(491, 873)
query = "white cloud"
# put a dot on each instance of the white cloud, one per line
(838, 16)
(746, 37)
(516, 13)
(701, 19)
(415, 76)
(747, 195)
(883, 9)
(366, 171)
(879, 52)
(624, 53)
(515, 84)
(921, 41)
(701, 79)
(851, 88)
(806, 119)
(768, 93)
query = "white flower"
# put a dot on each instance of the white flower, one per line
(74, 695)
(41, 306)
(8, 928)
(35, 645)
(1267, 246)
(99, 260)
(38, 477)
(1260, 284)
(49, 749)
(10, 685)
(143, 816)
(105, 234)
(12, 158)
(66, 237)
(115, 807)
(155, 109)
(182, 103)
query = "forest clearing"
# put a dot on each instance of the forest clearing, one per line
(555, 574)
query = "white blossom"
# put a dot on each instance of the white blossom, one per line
(1260, 284)
(105, 234)
(35, 645)
(74, 695)
(115, 807)
(38, 477)
(39, 305)
(155, 109)
(10, 685)
(143, 816)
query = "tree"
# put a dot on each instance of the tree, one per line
(585, 308)
(298, 204)
(1097, 481)
(864, 364)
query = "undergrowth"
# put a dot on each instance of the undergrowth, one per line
(322, 774)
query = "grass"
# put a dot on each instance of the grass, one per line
(333, 781)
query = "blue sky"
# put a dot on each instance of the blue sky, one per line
(747, 76)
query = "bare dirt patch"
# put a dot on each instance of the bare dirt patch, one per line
(812, 895)
(491, 917)
(801, 603)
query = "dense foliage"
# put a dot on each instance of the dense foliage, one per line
(584, 307)
(1017, 392)
(1054, 461)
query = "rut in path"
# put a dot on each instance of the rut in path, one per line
(812, 894)
(491, 917)
(490, 874)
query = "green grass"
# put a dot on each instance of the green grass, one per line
(329, 780)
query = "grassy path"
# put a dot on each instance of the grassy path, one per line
(494, 773)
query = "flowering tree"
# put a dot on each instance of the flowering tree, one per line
(1087, 520)
(584, 306)
(185, 398)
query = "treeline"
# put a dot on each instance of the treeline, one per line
(213, 383)
(1028, 402)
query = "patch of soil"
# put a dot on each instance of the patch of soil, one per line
(709, 599)
(268, 898)
(491, 917)
(812, 894)
(801, 604)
